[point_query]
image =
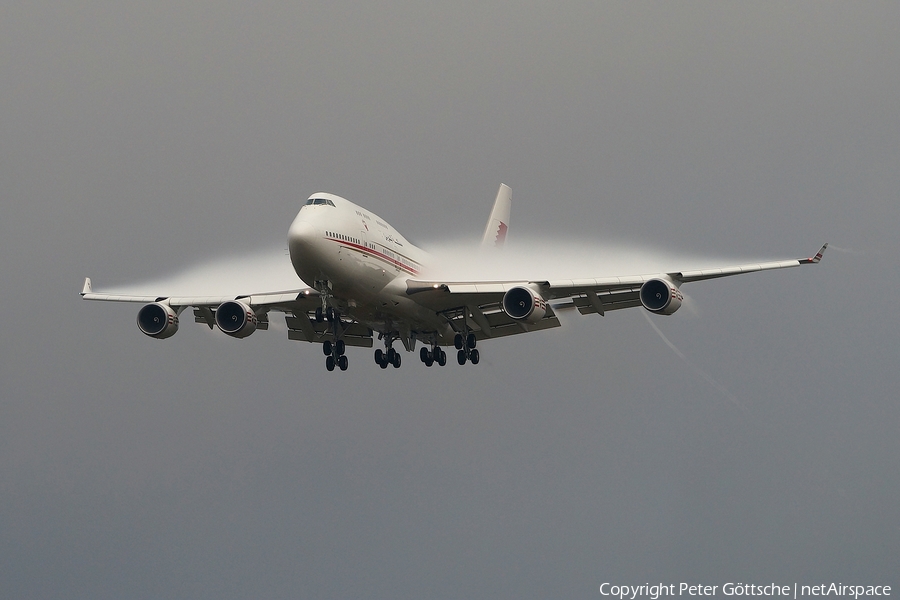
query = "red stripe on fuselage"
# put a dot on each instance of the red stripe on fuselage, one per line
(375, 253)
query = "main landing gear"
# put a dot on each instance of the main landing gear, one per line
(389, 357)
(334, 353)
(435, 355)
(466, 348)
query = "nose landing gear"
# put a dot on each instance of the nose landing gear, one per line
(334, 351)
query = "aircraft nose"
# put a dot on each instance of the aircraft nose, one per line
(301, 233)
(301, 245)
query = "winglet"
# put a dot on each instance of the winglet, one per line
(87, 286)
(498, 223)
(815, 259)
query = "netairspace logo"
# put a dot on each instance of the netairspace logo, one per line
(794, 591)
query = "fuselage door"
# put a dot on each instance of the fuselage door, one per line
(364, 237)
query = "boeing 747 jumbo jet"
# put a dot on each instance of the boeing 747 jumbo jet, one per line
(365, 282)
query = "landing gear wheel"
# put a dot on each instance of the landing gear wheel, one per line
(339, 347)
(461, 357)
(396, 361)
(379, 356)
(384, 363)
(391, 353)
(319, 316)
(330, 315)
(342, 362)
(429, 361)
(441, 357)
(329, 363)
(423, 354)
(326, 347)
(470, 340)
(458, 341)
(474, 356)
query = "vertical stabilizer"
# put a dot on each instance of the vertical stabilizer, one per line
(498, 223)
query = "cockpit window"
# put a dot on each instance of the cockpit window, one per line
(319, 202)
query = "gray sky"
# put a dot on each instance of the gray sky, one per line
(141, 139)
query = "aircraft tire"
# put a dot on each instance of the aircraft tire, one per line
(384, 363)
(470, 340)
(379, 356)
(461, 357)
(442, 357)
(396, 362)
(423, 354)
(329, 363)
(342, 362)
(458, 341)
(319, 317)
(326, 348)
(340, 347)
(474, 356)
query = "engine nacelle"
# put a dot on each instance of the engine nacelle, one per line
(157, 320)
(236, 319)
(661, 296)
(524, 304)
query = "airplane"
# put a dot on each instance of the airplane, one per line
(367, 280)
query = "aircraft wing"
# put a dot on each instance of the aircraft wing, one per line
(298, 301)
(298, 305)
(479, 302)
(283, 300)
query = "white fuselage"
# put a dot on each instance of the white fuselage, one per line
(359, 261)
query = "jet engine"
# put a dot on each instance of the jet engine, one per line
(661, 296)
(524, 304)
(236, 319)
(157, 320)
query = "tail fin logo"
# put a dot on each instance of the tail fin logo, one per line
(501, 234)
(498, 223)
